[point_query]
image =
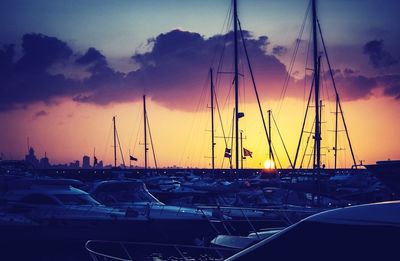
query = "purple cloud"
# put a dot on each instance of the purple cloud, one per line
(378, 56)
(172, 72)
(41, 113)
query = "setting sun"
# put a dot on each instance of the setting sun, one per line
(269, 164)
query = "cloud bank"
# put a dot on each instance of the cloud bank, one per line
(172, 72)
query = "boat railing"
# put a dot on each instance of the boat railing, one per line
(128, 251)
(148, 209)
(289, 216)
(64, 210)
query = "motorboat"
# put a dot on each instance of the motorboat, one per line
(129, 195)
(363, 232)
(387, 171)
(56, 214)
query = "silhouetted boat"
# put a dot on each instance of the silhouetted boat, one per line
(364, 232)
(388, 172)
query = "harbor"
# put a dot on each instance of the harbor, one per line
(204, 144)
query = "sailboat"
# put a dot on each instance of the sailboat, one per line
(236, 151)
(317, 179)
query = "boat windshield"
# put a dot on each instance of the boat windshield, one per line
(123, 193)
(76, 199)
(133, 196)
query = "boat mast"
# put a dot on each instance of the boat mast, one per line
(241, 150)
(145, 131)
(317, 138)
(235, 19)
(212, 121)
(336, 128)
(269, 136)
(115, 143)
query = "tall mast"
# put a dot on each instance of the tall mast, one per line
(115, 143)
(269, 137)
(212, 121)
(336, 128)
(236, 85)
(145, 131)
(241, 149)
(317, 152)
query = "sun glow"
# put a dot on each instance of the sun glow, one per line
(269, 164)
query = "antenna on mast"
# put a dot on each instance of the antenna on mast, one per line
(115, 143)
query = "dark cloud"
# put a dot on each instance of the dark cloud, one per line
(27, 80)
(172, 72)
(41, 113)
(92, 55)
(40, 51)
(279, 50)
(7, 53)
(353, 87)
(349, 71)
(391, 85)
(378, 56)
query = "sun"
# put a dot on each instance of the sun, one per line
(269, 164)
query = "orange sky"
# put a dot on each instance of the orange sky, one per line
(65, 103)
(70, 130)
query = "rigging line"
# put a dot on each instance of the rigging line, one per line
(279, 162)
(305, 68)
(325, 127)
(325, 83)
(137, 134)
(337, 95)
(223, 28)
(309, 159)
(220, 120)
(133, 129)
(255, 87)
(304, 123)
(189, 137)
(107, 142)
(280, 136)
(244, 88)
(120, 149)
(292, 62)
(306, 147)
(200, 103)
(152, 145)
(223, 40)
(227, 100)
(233, 128)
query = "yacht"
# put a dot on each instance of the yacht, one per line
(132, 195)
(388, 171)
(60, 212)
(363, 232)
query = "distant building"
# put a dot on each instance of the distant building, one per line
(99, 165)
(44, 162)
(74, 165)
(86, 162)
(31, 158)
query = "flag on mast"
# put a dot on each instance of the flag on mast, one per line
(132, 158)
(248, 153)
(228, 153)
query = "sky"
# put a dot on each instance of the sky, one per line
(68, 67)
